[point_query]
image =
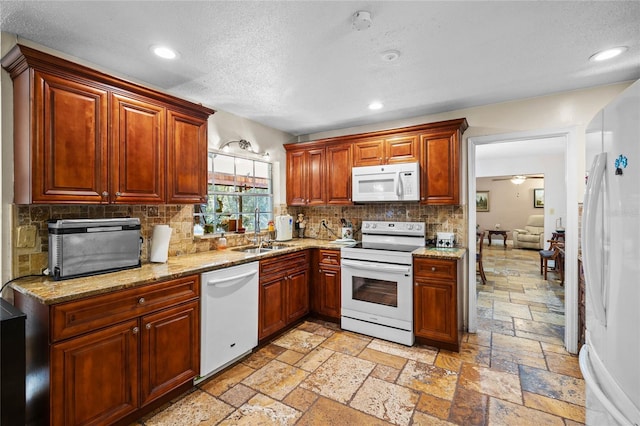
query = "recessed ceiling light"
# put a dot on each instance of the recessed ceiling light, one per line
(608, 54)
(164, 52)
(375, 105)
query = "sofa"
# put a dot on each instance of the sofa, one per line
(532, 236)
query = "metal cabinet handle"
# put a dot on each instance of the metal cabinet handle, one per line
(141, 300)
(148, 326)
(135, 330)
(105, 194)
(433, 268)
(118, 194)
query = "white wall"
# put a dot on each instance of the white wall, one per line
(224, 127)
(509, 205)
(553, 168)
(6, 160)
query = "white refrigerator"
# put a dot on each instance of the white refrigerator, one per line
(610, 358)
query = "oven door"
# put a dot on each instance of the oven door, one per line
(371, 290)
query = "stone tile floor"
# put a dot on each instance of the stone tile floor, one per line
(514, 371)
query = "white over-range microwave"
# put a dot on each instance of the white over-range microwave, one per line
(392, 182)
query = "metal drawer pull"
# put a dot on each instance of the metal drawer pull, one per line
(135, 330)
(141, 300)
(433, 268)
(148, 326)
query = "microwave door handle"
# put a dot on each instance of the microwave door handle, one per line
(399, 186)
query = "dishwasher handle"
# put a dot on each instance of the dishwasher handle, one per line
(230, 281)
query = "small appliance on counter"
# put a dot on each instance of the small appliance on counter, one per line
(445, 240)
(284, 228)
(81, 247)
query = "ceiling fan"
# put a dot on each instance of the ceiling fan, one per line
(519, 179)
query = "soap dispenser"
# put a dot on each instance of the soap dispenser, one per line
(222, 242)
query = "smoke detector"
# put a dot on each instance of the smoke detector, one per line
(390, 55)
(361, 20)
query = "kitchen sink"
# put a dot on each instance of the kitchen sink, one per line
(279, 246)
(253, 250)
(260, 250)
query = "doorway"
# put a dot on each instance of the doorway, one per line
(566, 140)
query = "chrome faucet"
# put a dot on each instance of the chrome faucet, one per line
(256, 228)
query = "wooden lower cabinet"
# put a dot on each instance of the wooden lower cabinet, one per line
(96, 371)
(272, 302)
(327, 285)
(437, 302)
(170, 350)
(284, 292)
(94, 378)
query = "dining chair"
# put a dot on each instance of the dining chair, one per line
(555, 253)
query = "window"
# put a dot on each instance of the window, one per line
(236, 186)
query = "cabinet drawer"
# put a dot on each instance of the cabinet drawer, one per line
(329, 257)
(284, 264)
(435, 268)
(80, 316)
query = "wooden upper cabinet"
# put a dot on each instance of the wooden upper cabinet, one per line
(296, 178)
(394, 149)
(187, 159)
(401, 149)
(339, 174)
(368, 152)
(306, 177)
(82, 136)
(138, 151)
(440, 163)
(69, 140)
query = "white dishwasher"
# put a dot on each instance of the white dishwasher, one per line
(229, 316)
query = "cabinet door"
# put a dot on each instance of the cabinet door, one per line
(328, 292)
(297, 295)
(305, 177)
(315, 177)
(296, 180)
(271, 308)
(368, 152)
(339, 174)
(440, 168)
(170, 350)
(402, 149)
(70, 142)
(434, 310)
(138, 151)
(94, 378)
(186, 159)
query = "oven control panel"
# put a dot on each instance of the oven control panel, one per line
(393, 228)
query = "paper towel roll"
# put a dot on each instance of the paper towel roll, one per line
(160, 243)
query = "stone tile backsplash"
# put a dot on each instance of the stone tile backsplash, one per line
(437, 218)
(32, 257)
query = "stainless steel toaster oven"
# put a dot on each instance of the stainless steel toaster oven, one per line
(81, 247)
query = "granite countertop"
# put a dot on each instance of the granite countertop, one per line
(441, 253)
(47, 291)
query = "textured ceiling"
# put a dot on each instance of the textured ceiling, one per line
(301, 68)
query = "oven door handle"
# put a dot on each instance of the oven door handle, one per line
(374, 266)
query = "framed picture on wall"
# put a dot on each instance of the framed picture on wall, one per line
(538, 198)
(482, 201)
